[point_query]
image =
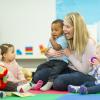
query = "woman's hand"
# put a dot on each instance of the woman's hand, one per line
(53, 53)
(66, 52)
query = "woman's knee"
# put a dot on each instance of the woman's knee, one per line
(59, 84)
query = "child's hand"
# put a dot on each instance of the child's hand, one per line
(22, 82)
(95, 61)
(54, 36)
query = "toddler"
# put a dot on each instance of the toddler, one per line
(15, 76)
(90, 87)
(57, 41)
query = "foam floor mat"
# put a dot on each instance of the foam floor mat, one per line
(35, 97)
(48, 92)
(70, 96)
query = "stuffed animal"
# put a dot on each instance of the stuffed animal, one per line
(3, 77)
(27, 73)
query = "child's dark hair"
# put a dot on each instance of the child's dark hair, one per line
(60, 21)
(4, 48)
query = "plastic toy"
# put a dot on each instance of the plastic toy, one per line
(27, 74)
(3, 77)
(92, 59)
(29, 50)
(43, 49)
(18, 52)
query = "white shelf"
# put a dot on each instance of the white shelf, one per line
(30, 57)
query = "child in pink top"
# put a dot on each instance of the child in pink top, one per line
(8, 58)
(15, 74)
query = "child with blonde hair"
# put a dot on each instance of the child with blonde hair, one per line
(90, 87)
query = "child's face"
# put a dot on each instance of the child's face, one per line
(56, 29)
(10, 55)
(98, 53)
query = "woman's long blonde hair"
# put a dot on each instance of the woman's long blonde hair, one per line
(81, 34)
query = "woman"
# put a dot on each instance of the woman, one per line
(81, 49)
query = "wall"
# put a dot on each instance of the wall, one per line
(26, 22)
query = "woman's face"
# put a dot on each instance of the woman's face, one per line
(68, 30)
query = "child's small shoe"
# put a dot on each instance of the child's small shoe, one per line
(73, 89)
(2, 94)
(83, 90)
(38, 85)
(25, 87)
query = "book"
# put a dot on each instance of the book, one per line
(22, 94)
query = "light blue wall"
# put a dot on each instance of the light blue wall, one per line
(90, 9)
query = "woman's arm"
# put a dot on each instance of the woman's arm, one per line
(53, 53)
(82, 64)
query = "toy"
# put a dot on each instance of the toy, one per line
(29, 50)
(18, 52)
(27, 73)
(43, 49)
(92, 59)
(3, 77)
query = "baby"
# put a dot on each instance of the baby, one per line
(90, 87)
(16, 80)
